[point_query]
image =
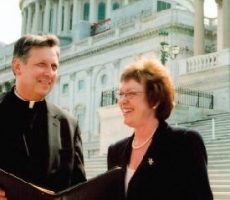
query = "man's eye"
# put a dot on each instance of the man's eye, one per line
(41, 65)
(54, 67)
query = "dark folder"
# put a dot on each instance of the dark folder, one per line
(106, 186)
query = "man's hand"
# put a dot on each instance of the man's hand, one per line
(2, 195)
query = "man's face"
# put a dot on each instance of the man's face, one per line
(36, 76)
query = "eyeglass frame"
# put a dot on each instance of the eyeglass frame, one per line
(128, 95)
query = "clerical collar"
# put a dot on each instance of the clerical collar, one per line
(31, 103)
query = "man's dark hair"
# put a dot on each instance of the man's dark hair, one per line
(24, 44)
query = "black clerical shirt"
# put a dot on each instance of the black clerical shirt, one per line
(24, 146)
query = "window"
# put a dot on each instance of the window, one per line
(161, 5)
(65, 88)
(71, 17)
(62, 18)
(86, 12)
(101, 11)
(51, 21)
(104, 79)
(81, 85)
(80, 115)
(116, 6)
(81, 119)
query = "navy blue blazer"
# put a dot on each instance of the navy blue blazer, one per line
(62, 165)
(173, 168)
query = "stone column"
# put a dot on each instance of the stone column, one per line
(55, 16)
(36, 17)
(76, 11)
(108, 9)
(29, 18)
(60, 4)
(46, 23)
(90, 102)
(92, 11)
(23, 30)
(126, 2)
(226, 23)
(199, 27)
(219, 25)
(66, 17)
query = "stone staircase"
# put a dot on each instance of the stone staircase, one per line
(95, 166)
(218, 148)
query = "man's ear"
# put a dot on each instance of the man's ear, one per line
(16, 66)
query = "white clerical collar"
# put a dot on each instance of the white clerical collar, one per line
(31, 103)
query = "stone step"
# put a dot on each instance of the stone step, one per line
(216, 156)
(88, 162)
(218, 167)
(219, 174)
(218, 171)
(220, 188)
(217, 147)
(221, 195)
(94, 172)
(218, 139)
(220, 182)
(213, 162)
(224, 146)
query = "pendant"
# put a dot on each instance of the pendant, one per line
(150, 161)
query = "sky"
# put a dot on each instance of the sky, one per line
(10, 18)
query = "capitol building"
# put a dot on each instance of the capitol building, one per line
(99, 37)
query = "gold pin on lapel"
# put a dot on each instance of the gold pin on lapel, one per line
(150, 161)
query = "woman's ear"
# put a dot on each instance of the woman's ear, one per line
(154, 107)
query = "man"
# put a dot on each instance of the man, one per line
(39, 142)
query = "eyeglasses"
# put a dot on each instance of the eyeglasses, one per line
(127, 95)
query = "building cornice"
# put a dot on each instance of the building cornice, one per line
(70, 58)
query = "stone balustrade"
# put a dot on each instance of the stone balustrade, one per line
(204, 62)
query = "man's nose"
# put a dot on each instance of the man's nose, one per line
(49, 70)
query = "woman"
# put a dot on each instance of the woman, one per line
(159, 162)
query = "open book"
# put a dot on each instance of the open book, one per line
(106, 186)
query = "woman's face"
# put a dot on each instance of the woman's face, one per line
(133, 103)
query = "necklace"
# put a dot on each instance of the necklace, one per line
(144, 143)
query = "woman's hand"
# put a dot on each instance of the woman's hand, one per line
(2, 194)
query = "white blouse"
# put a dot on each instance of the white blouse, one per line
(128, 176)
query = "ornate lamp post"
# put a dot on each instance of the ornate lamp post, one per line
(167, 51)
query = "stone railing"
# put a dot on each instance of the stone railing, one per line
(128, 26)
(201, 63)
(204, 62)
(210, 22)
(103, 36)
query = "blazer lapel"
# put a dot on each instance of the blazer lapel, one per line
(127, 152)
(54, 138)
